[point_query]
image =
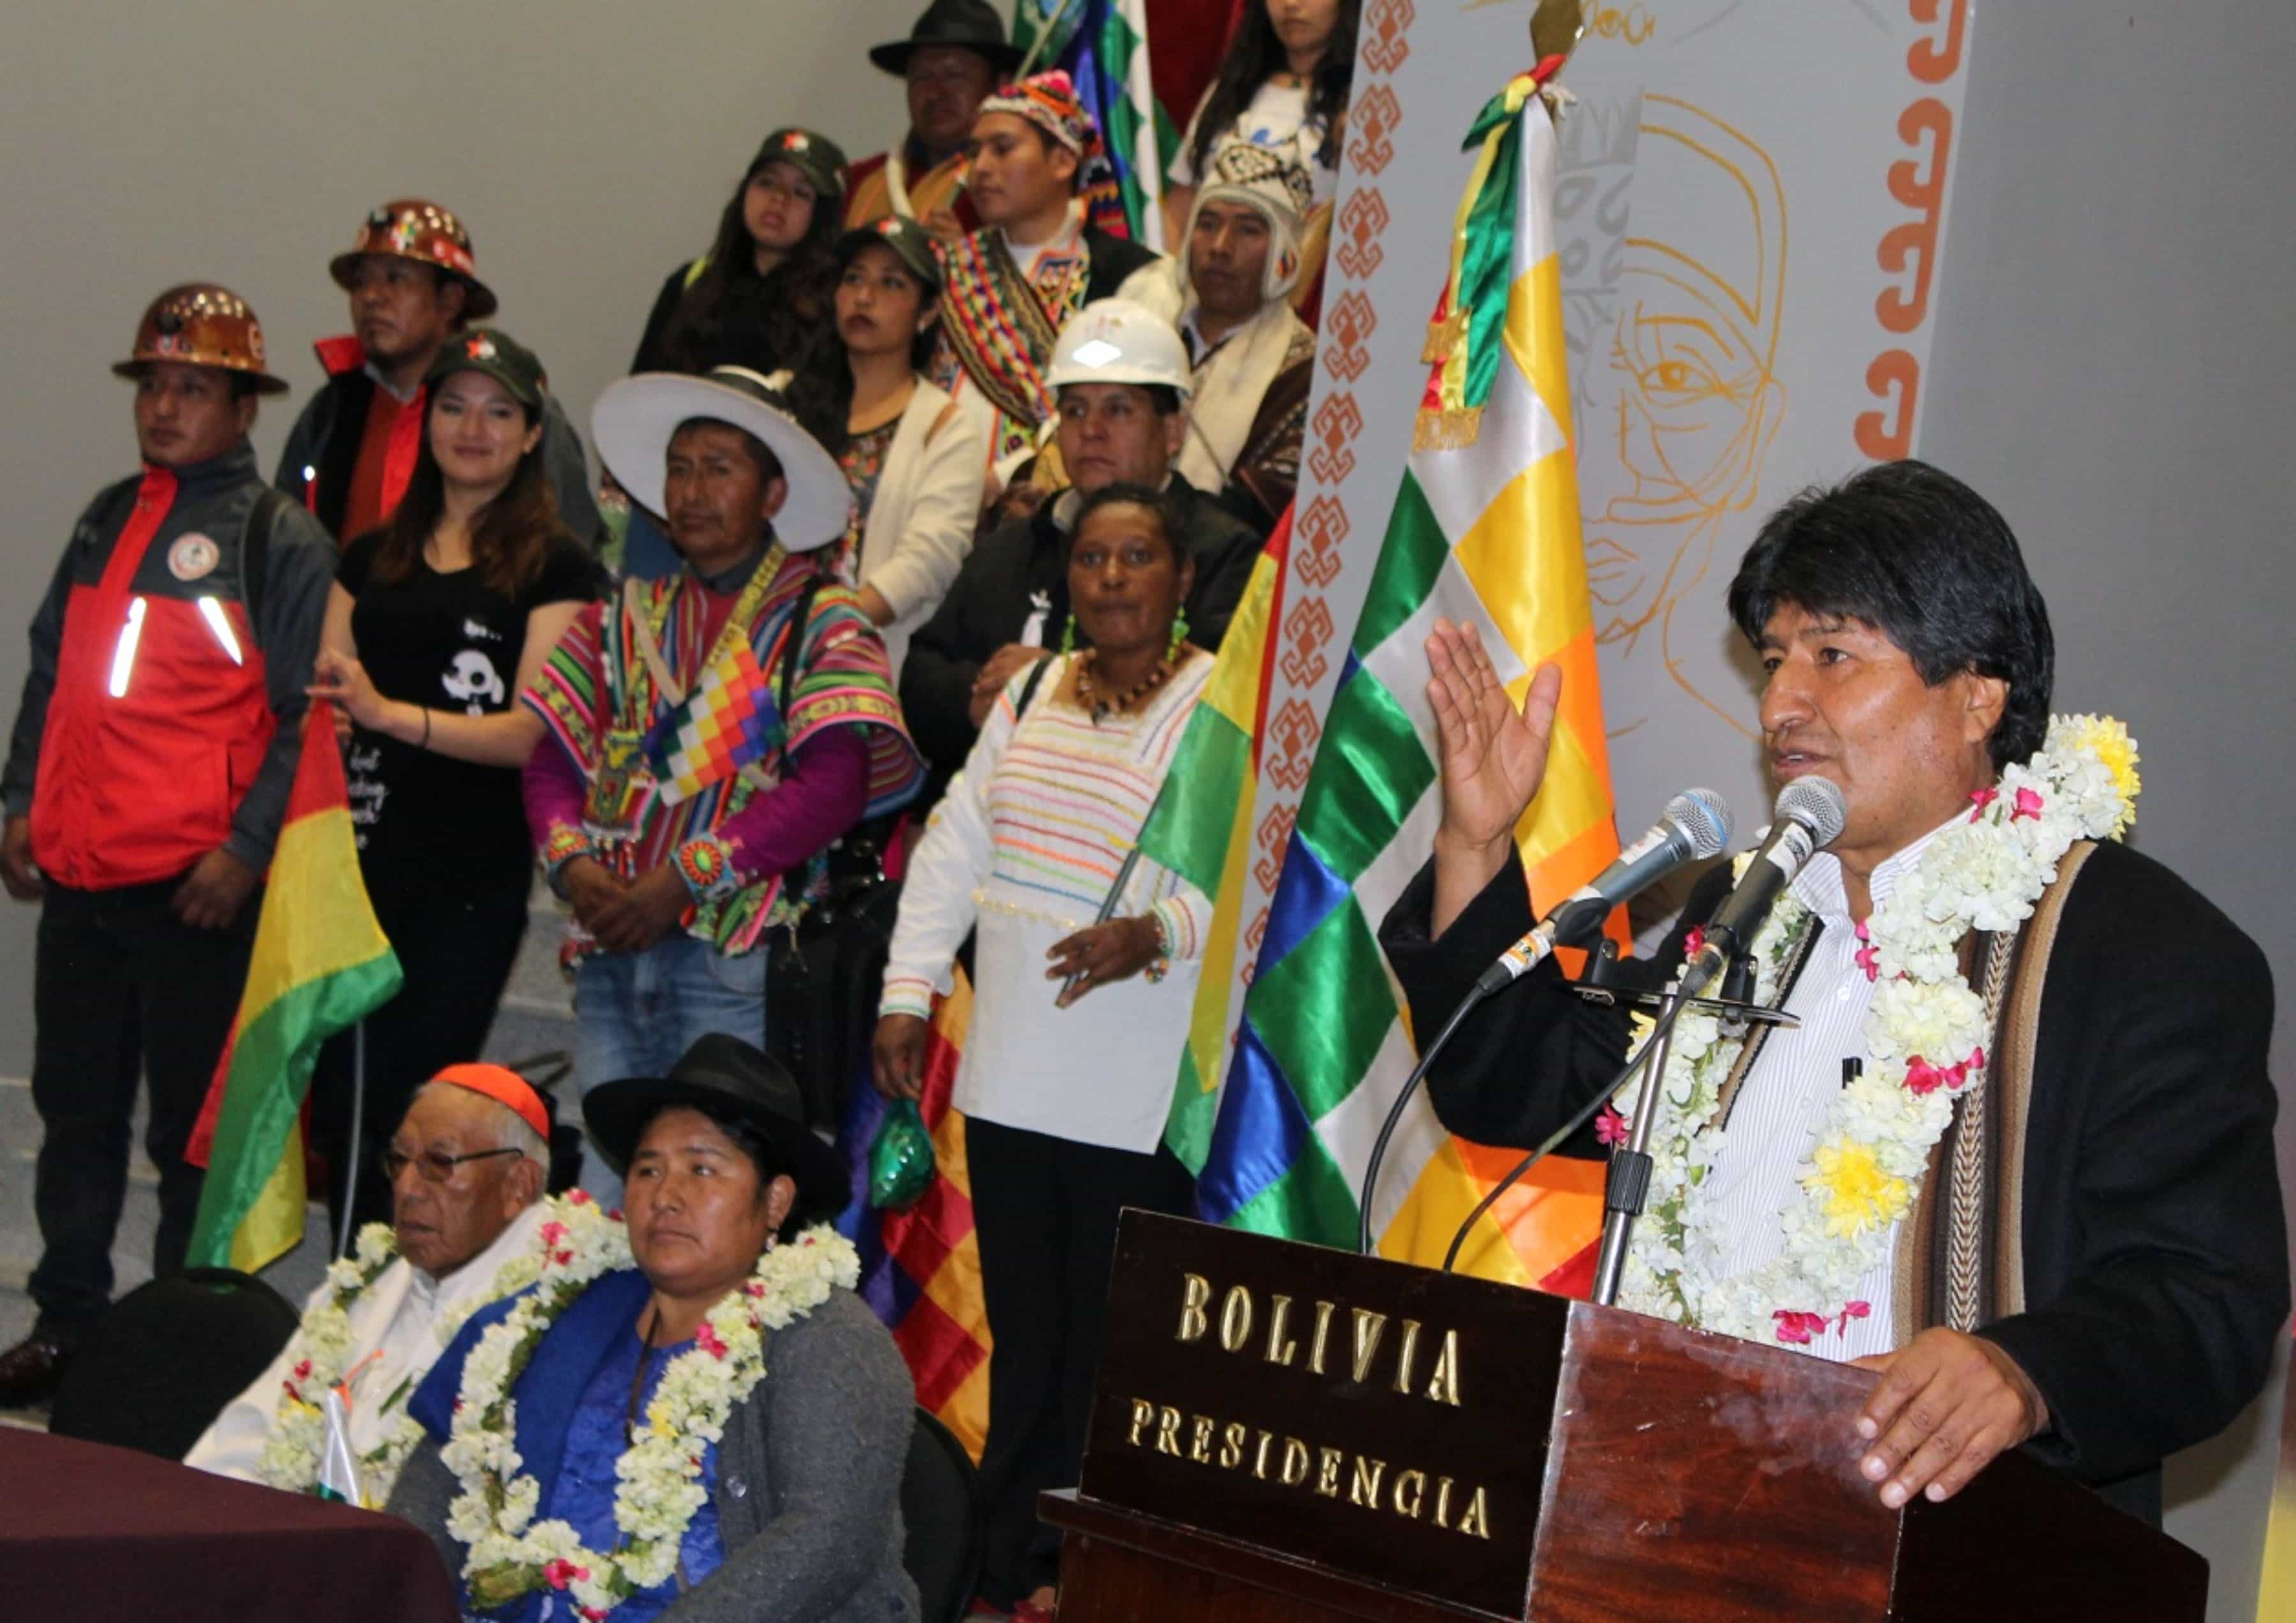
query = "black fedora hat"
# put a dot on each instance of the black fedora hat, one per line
(722, 1075)
(970, 24)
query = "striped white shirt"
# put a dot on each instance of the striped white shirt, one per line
(1773, 1126)
(1024, 847)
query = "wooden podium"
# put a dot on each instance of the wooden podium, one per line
(1285, 1432)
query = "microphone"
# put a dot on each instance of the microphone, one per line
(1807, 817)
(1695, 825)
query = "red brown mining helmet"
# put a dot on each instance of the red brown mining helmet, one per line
(201, 324)
(412, 228)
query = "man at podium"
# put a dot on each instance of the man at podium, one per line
(2017, 1154)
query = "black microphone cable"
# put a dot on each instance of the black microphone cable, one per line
(1561, 1134)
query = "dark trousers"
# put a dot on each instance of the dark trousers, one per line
(121, 987)
(456, 953)
(1045, 1211)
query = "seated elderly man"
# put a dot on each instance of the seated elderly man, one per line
(1252, 359)
(467, 1168)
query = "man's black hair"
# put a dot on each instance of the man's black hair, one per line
(1911, 551)
(768, 465)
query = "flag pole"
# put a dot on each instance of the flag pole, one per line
(351, 1161)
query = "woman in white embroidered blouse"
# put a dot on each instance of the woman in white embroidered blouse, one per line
(1076, 1026)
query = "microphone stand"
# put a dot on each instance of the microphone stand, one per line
(1627, 1184)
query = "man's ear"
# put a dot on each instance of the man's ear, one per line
(454, 298)
(781, 1195)
(1985, 700)
(777, 493)
(247, 405)
(1176, 432)
(1065, 164)
(525, 1183)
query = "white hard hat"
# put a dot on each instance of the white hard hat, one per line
(1115, 341)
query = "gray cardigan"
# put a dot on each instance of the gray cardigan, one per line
(808, 1489)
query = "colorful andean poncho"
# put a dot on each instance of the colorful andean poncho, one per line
(664, 769)
(998, 323)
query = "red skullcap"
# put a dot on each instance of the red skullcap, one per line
(504, 1086)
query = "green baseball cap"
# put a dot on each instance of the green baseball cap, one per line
(500, 357)
(911, 243)
(820, 160)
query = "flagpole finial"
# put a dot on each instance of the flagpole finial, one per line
(1556, 27)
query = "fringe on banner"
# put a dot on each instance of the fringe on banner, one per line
(1443, 336)
(1446, 429)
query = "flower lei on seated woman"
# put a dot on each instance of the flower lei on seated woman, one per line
(321, 1359)
(1924, 1036)
(512, 1554)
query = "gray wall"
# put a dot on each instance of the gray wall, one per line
(587, 143)
(2112, 367)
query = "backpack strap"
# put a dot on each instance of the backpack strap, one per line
(1028, 688)
(793, 644)
(263, 516)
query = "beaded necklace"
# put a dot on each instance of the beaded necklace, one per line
(1099, 704)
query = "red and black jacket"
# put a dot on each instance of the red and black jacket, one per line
(168, 664)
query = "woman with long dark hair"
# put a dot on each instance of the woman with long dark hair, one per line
(911, 455)
(1284, 85)
(434, 624)
(760, 298)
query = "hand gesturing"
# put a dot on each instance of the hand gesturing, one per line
(1493, 758)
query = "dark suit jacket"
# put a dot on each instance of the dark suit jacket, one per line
(988, 604)
(2156, 1257)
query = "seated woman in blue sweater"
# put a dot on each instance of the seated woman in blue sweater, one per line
(717, 1431)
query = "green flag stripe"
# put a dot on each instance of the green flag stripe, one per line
(1324, 1008)
(271, 1063)
(1189, 833)
(1373, 752)
(1195, 1111)
(1313, 1201)
(1410, 557)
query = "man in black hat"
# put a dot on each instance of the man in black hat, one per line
(958, 53)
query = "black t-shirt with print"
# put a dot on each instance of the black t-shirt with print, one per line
(427, 823)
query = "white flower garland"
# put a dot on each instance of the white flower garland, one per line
(660, 1488)
(1923, 1037)
(321, 1351)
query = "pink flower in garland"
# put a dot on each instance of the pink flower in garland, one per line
(559, 1573)
(1610, 1127)
(2029, 805)
(596, 1614)
(580, 1197)
(1693, 943)
(1854, 1310)
(1923, 1078)
(1984, 798)
(552, 1232)
(1799, 1328)
(710, 1342)
(1868, 956)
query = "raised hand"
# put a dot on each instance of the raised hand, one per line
(1492, 757)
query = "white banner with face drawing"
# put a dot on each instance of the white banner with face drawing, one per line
(1750, 203)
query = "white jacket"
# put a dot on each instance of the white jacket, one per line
(398, 1318)
(920, 526)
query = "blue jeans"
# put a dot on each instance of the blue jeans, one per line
(640, 1011)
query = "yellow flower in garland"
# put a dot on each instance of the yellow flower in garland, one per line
(2118, 751)
(1858, 1194)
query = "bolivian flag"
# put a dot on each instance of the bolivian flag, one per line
(321, 964)
(1200, 829)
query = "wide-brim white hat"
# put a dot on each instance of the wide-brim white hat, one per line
(636, 416)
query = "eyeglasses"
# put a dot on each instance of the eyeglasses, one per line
(436, 1166)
